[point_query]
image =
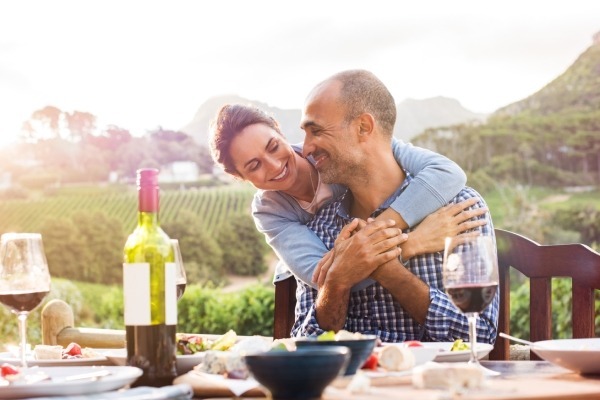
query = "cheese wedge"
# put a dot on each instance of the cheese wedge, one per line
(47, 352)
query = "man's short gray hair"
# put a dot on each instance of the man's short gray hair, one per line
(363, 92)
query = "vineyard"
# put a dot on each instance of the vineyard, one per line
(212, 205)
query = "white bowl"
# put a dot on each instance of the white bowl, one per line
(424, 354)
(579, 355)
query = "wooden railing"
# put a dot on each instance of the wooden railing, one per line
(58, 327)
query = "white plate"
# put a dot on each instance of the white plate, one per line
(120, 377)
(445, 355)
(184, 363)
(579, 355)
(79, 362)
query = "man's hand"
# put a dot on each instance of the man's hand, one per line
(357, 253)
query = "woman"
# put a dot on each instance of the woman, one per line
(248, 144)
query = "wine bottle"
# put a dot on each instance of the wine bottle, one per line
(149, 290)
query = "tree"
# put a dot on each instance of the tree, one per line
(43, 124)
(179, 146)
(104, 238)
(584, 219)
(86, 247)
(65, 250)
(81, 125)
(244, 247)
(202, 256)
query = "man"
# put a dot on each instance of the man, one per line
(348, 120)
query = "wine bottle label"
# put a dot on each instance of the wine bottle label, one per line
(137, 296)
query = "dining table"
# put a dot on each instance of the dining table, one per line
(518, 380)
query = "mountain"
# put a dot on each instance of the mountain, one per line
(414, 116)
(289, 120)
(576, 90)
(550, 138)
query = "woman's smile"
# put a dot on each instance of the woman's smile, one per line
(284, 173)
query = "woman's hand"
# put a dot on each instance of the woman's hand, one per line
(451, 220)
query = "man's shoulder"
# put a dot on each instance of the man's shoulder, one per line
(468, 192)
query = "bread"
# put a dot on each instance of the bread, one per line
(447, 376)
(47, 352)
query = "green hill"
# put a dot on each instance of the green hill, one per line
(551, 138)
(212, 205)
(577, 90)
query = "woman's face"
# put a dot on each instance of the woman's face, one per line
(264, 158)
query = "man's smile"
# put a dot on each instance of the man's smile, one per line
(319, 158)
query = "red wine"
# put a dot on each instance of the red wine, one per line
(149, 290)
(473, 297)
(21, 302)
(180, 290)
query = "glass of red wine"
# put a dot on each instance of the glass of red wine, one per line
(180, 279)
(470, 273)
(24, 278)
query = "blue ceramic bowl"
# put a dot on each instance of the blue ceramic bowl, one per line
(300, 374)
(360, 349)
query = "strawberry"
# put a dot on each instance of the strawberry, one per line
(73, 350)
(371, 362)
(412, 343)
(7, 369)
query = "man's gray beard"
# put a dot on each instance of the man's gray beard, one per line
(344, 176)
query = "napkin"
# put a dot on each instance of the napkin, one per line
(175, 392)
(237, 386)
(213, 385)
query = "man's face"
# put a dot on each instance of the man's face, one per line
(329, 138)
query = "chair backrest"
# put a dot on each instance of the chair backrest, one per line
(285, 302)
(540, 263)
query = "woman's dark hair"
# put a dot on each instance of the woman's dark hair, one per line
(230, 121)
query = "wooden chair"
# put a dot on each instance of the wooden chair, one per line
(540, 263)
(285, 302)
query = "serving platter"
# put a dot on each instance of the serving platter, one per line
(445, 355)
(58, 386)
(185, 363)
(101, 359)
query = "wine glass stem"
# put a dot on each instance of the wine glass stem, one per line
(472, 318)
(23, 333)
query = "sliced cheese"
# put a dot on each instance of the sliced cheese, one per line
(447, 376)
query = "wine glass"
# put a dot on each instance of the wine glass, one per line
(180, 279)
(24, 278)
(470, 273)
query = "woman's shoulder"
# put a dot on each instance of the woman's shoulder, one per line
(278, 203)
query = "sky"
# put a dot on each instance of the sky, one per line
(144, 64)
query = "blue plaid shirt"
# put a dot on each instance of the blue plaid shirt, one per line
(373, 309)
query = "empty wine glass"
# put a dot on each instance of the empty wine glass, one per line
(470, 273)
(180, 279)
(24, 278)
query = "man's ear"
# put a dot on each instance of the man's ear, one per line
(366, 125)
